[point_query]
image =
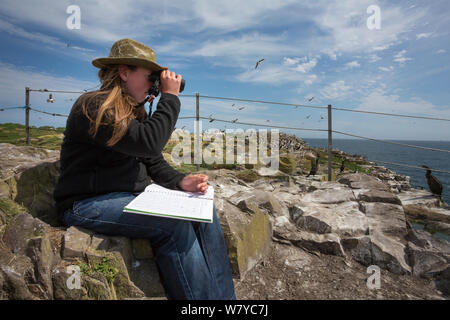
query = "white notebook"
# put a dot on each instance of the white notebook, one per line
(156, 200)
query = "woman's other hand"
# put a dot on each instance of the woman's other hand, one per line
(194, 183)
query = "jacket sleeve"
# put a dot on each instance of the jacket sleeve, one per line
(163, 173)
(146, 138)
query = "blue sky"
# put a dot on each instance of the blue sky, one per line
(320, 49)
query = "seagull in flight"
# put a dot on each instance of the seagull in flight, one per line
(257, 63)
(308, 117)
(211, 119)
(310, 99)
(234, 120)
(241, 108)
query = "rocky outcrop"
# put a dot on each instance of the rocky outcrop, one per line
(359, 219)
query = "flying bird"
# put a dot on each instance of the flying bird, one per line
(310, 99)
(183, 127)
(211, 119)
(433, 183)
(257, 63)
(267, 120)
(234, 120)
(241, 108)
(307, 117)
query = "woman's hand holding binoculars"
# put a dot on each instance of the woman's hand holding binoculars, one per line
(170, 83)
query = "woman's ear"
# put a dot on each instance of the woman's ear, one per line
(123, 72)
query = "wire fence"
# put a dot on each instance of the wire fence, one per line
(329, 108)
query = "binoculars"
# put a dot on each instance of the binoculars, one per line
(155, 78)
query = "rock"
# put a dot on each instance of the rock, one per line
(389, 254)
(122, 245)
(145, 276)
(76, 242)
(362, 181)
(61, 290)
(359, 248)
(113, 264)
(142, 249)
(421, 212)
(246, 201)
(97, 287)
(28, 176)
(324, 243)
(326, 196)
(343, 219)
(377, 196)
(264, 172)
(442, 281)
(418, 197)
(386, 218)
(16, 272)
(28, 236)
(424, 262)
(437, 226)
(247, 236)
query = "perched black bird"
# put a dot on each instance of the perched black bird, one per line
(314, 168)
(433, 183)
(342, 166)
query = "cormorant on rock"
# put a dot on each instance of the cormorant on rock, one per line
(433, 183)
(314, 168)
(342, 165)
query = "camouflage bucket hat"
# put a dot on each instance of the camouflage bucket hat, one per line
(130, 52)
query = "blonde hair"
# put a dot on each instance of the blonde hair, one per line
(117, 110)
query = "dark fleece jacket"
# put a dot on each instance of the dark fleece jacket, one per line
(89, 168)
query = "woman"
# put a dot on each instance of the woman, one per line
(112, 148)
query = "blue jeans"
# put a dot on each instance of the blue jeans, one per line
(191, 256)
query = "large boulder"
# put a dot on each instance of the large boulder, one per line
(28, 176)
(29, 237)
(247, 235)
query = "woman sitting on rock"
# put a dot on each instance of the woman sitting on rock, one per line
(112, 150)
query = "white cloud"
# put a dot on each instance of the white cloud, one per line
(441, 51)
(353, 64)
(423, 35)
(379, 100)
(15, 79)
(374, 58)
(12, 93)
(307, 66)
(400, 57)
(292, 61)
(336, 90)
(386, 69)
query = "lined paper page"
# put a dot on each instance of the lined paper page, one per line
(160, 201)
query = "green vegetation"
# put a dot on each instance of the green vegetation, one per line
(11, 208)
(45, 137)
(103, 267)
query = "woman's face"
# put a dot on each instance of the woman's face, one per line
(136, 81)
